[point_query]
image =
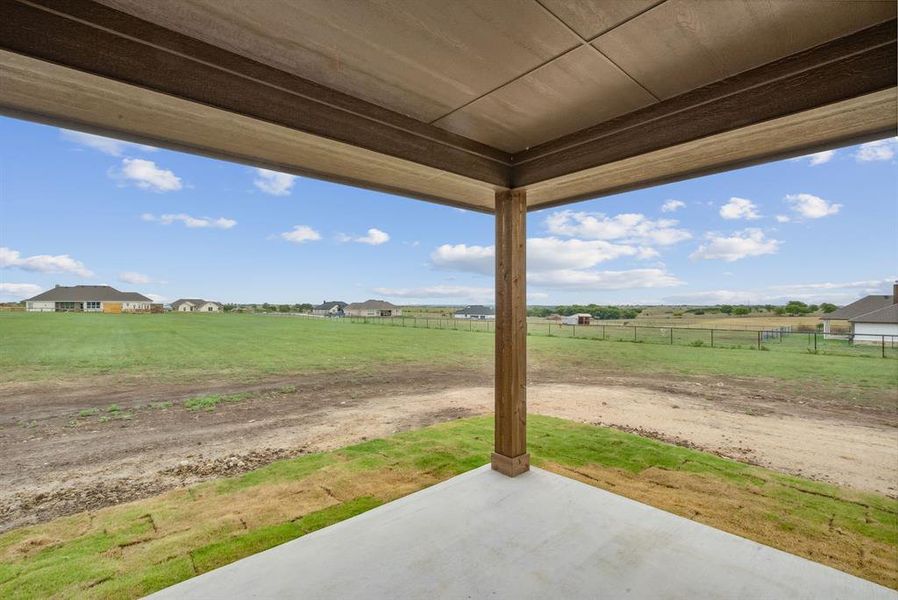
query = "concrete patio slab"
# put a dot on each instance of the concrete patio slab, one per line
(539, 535)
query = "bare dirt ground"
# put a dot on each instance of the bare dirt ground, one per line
(61, 457)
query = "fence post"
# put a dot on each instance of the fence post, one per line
(883, 346)
(712, 338)
(671, 336)
(634, 333)
(815, 341)
(759, 340)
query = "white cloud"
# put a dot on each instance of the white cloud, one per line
(158, 299)
(783, 218)
(810, 206)
(544, 254)
(603, 280)
(274, 183)
(672, 206)
(866, 286)
(146, 175)
(440, 291)
(461, 257)
(739, 208)
(877, 151)
(19, 291)
(561, 264)
(301, 234)
(739, 245)
(105, 145)
(43, 263)
(818, 158)
(838, 292)
(375, 237)
(191, 222)
(630, 228)
(135, 278)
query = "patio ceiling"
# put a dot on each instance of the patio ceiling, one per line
(453, 103)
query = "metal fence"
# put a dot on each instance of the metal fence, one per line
(776, 340)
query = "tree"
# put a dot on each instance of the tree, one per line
(726, 309)
(827, 308)
(795, 307)
(741, 311)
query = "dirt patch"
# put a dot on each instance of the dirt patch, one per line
(65, 450)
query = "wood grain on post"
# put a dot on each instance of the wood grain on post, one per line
(510, 456)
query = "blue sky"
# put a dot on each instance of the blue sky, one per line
(81, 209)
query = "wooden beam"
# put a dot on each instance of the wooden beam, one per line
(96, 39)
(55, 95)
(853, 66)
(850, 122)
(510, 456)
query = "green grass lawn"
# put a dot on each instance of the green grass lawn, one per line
(242, 347)
(133, 549)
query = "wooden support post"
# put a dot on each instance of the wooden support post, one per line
(510, 456)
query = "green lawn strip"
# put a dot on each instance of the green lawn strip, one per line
(173, 347)
(117, 552)
(217, 554)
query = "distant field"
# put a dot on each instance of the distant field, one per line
(252, 347)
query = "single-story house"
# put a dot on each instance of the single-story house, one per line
(372, 308)
(577, 319)
(871, 315)
(476, 311)
(329, 308)
(877, 326)
(88, 298)
(195, 305)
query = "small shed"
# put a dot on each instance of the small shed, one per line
(577, 319)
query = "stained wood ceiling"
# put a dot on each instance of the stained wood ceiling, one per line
(512, 73)
(452, 101)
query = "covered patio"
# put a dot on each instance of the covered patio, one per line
(501, 107)
(540, 535)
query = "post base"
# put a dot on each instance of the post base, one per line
(511, 466)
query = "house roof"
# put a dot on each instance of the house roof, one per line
(561, 100)
(476, 309)
(886, 314)
(194, 301)
(88, 293)
(371, 305)
(865, 305)
(327, 305)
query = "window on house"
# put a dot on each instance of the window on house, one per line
(93, 306)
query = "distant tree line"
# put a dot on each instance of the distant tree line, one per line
(266, 307)
(603, 313)
(791, 308)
